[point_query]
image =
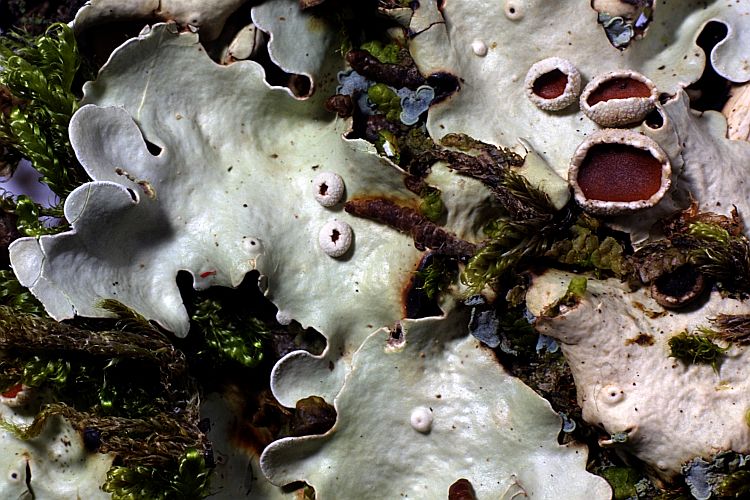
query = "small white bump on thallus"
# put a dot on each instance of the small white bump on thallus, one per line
(329, 188)
(421, 419)
(283, 317)
(514, 9)
(479, 48)
(611, 394)
(335, 238)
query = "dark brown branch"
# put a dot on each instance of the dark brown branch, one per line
(395, 75)
(426, 234)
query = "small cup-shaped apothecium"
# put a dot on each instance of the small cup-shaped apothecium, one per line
(618, 98)
(679, 287)
(617, 171)
(553, 84)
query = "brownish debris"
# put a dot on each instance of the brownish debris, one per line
(340, 104)
(678, 223)
(643, 339)
(306, 4)
(426, 234)
(312, 415)
(488, 164)
(395, 75)
(8, 234)
(732, 327)
(8, 102)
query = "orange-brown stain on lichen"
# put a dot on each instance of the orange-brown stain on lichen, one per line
(551, 84)
(258, 418)
(414, 301)
(643, 339)
(411, 202)
(406, 286)
(648, 312)
(619, 172)
(618, 88)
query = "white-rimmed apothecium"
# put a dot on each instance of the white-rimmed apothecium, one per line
(328, 188)
(553, 84)
(335, 238)
(617, 171)
(618, 98)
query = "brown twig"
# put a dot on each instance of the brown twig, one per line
(395, 75)
(426, 234)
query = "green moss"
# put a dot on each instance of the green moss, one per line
(128, 319)
(728, 263)
(526, 232)
(386, 100)
(109, 372)
(387, 145)
(431, 205)
(696, 348)
(708, 231)
(735, 485)
(518, 332)
(31, 217)
(717, 252)
(38, 371)
(587, 250)
(230, 336)
(572, 296)
(436, 276)
(622, 480)
(118, 387)
(576, 289)
(17, 297)
(128, 389)
(385, 53)
(39, 73)
(185, 480)
(511, 245)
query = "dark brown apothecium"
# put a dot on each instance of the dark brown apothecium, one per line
(678, 288)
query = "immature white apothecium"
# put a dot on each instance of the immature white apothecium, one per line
(328, 188)
(335, 238)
